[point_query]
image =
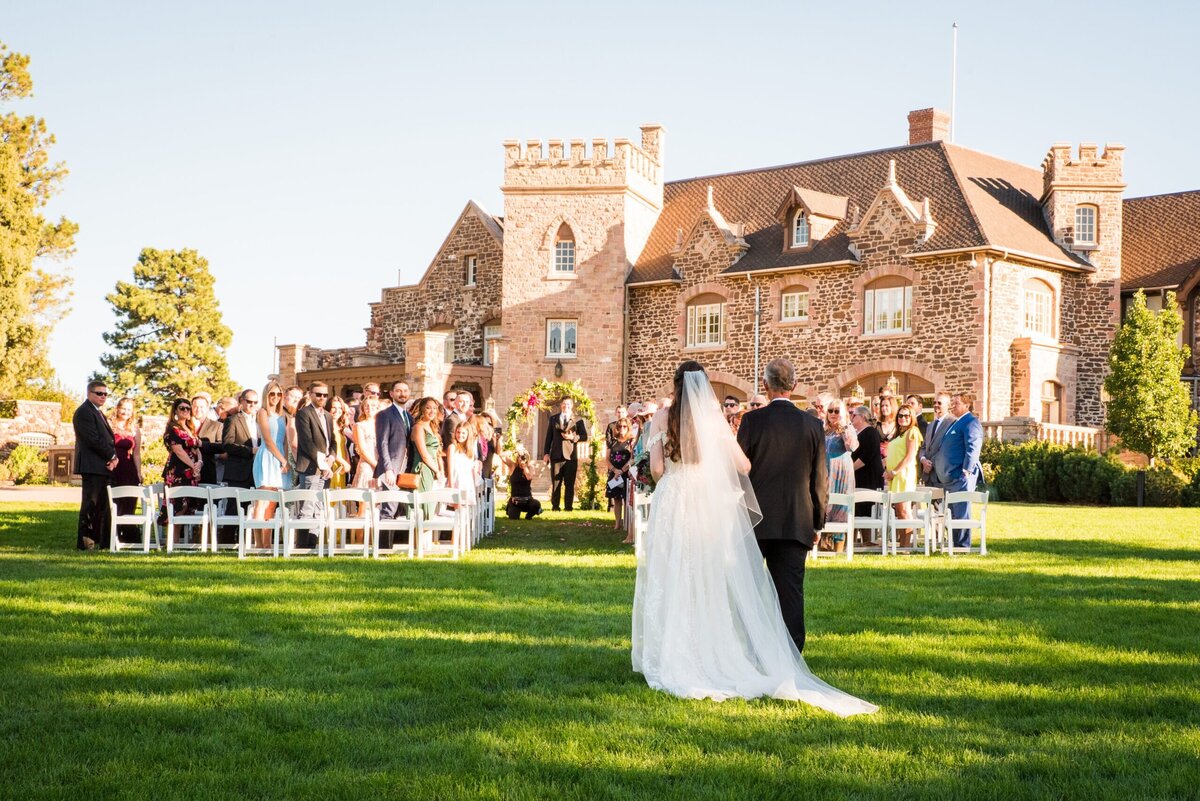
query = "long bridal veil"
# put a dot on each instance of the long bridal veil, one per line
(706, 619)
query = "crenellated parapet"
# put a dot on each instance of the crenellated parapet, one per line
(1090, 170)
(588, 166)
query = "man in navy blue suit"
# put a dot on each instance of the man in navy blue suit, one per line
(392, 428)
(957, 461)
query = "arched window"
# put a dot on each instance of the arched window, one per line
(1039, 309)
(800, 234)
(1052, 402)
(706, 321)
(887, 306)
(1085, 225)
(564, 250)
(793, 305)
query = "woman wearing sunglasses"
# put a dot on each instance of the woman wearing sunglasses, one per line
(183, 455)
(901, 466)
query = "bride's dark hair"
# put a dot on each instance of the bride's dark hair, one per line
(671, 446)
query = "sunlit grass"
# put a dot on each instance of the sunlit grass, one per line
(1064, 665)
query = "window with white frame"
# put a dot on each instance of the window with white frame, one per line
(490, 333)
(470, 268)
(1052, 405)
(564, 250)
(1085, 225)
(560, 339)
(706, 323)
(887, 307)
(794, 306)
(800, 233)
(1039, 309)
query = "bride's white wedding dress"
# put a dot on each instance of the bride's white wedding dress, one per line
(706, 619)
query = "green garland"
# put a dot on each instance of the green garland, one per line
(543, 396)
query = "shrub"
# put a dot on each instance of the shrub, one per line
(1029, 471)
(1164, 487)
(1191, 493)
(154, 459)
(1087, 477)
(26, 465)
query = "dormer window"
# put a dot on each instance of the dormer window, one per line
(1085, 225)
(564, 250)
(800, 233)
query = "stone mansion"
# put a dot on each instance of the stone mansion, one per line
(928, 265)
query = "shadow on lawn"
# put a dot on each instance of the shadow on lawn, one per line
(1099, 549)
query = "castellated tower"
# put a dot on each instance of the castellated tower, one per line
(1082, 201)
(575, 220)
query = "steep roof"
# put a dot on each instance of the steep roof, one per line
(977, 200)
(1160, 240)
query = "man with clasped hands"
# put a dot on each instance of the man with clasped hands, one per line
(565, 432)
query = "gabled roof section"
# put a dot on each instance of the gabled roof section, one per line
(494, 224)
(821, 204)
(977, 200)
(1160, 244)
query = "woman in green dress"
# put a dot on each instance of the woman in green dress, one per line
(428, 442)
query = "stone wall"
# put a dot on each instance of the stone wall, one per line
(442, 299)
(35, 417)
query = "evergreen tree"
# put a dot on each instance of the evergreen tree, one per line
(31, 299)
(1149, 407)
(169, 341)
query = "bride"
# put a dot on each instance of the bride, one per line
(706, 619)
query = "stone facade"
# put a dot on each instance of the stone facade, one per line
(35, 417)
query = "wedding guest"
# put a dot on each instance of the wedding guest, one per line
(901, 466)
(562, 435)
(462, 468)
(619, 414)
(620, 460)
(868, 463)
(239, 440)
(428, 445)
(730, 406)
(95, 459)
(817, 408)
(487, 434)
(932, 442)
(127, 439)
(875, 407)
(757, 401)
(449, 416)
(520, 489)
(271, 469)
(183, 455)
(957, 462)
(293, 397)
(314, 449)
(207, 428)
(340, 412)
(841, 440)
(364, 442)
(887, 420)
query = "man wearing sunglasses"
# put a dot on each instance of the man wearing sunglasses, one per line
(95, 458)
(314, 446)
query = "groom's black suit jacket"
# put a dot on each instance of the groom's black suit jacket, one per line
(786, 448)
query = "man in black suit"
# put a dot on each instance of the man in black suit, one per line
(95, 458)
(564, 433)
(786, 449)
(240, 441)
(314, 447)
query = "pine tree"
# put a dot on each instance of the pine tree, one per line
(31, 299)
(170, 341)
(1149, 407)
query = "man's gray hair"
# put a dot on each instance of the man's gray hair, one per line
(779, 375)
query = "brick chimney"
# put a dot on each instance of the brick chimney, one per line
(928, 125)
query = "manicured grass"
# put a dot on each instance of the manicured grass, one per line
(1064, 665)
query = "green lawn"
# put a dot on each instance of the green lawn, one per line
(1064, 665)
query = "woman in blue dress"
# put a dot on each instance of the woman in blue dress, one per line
(271, 471)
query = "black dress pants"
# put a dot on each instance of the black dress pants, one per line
(94, 514)
(785, 563)
(562, 477)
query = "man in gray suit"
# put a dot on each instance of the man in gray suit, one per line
(932, 443)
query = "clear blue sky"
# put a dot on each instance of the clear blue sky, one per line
(316, 152)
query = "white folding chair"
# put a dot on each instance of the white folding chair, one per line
(157, 490)
(489, 491)
(176, 521)
(440, 510)
(292, 501)
(222, 512)
(937, 513)
(919, 504)
(246, 499)
(143, 519)
(340, 522)
(839, 499)
(977, 500)
(404, 522)
(877, 521)
(641, 518)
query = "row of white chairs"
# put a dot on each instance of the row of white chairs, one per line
(930, 521)
(436, 522)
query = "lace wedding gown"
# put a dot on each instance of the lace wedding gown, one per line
(706, 618)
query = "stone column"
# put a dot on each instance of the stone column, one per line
(426, 370)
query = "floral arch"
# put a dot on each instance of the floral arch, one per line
(542, 396)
